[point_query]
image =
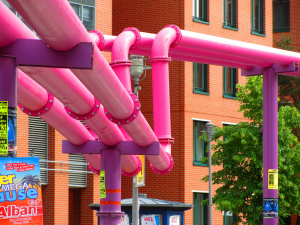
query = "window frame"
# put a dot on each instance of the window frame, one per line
(232, 26)
(81, 12)
(233, 74)
(197, 162)
(281, 29)
(196, 18)
(260, 18)
(204, 79)
(205, 209)
(225, 217)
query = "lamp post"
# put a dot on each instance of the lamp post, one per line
(210, 131)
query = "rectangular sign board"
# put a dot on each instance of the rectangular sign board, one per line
(20, 191)
(3, 128)
(141, 175)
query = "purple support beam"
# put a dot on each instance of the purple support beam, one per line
(110, 206)
(270, 135)
(31, 52)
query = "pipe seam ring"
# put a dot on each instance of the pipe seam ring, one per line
(132, 117)
(166, 140)
(178, 34)
(160, 58)
(167, 170)
(136, 171)
(137, 36)
(101, 38)
(121, 63)
(41, 111)
(86, 116)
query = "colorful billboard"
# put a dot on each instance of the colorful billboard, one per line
(20, 191)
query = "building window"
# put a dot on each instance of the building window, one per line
(199, 144)
(229, 14)
(257, 17)
(228, 218)
(281, 15)
(85, 10)
(200, 211)
(229, 79)
(200, 78)
(77, 173)
(200, 11)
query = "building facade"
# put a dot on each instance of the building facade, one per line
(199, 94)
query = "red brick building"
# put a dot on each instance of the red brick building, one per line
(199, 94)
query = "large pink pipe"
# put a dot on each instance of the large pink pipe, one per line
(34, 97)
(60, 28)
(64, 85)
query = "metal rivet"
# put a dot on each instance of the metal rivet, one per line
(119, 122)
(176, 42)
(30, 114)
(131, 93)
(124, 29)
(39, 113)
(122, 172)
(110, 119)
(140, 165)
(85, 118)
(138, 39)
(136, 156)
(69, 113)
(22, 109)
(98, 32)
(97, 106)
(134, 116)
(136, 99)
(127, 121)
(171, 159)
(51, 101)
(106, 113)
(46, 109)
(93, 113)
(137, 108)
(150, 165)
(169, 170)
(65, 106)
(76, 118)
(158, 173)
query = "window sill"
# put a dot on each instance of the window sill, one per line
(196, 19)
(281, 30)
(230, 27)
(229, 96)
(197, 163)
(200, 92)
(257, 33)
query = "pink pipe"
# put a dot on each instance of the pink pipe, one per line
(52, 21)
(64, 85)
(237, 48)
(34, 97)
(139, 129)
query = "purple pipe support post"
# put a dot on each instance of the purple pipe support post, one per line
(270, 136)
(110, 205)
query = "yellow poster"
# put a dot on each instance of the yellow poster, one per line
(3, 128)
(272, 179)
(141, 175)
(102, 184)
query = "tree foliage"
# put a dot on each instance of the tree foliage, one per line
(241, 154)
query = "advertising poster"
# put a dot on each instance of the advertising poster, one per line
(148, 220)
(141, 175)
(3, 128)
(175, 220)
(125, 220)
(20, 191)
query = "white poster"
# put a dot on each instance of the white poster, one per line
(175, 220)
(125, 220)
(148, 220)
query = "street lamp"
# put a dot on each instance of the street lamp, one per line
(210, 131)
(137, 70)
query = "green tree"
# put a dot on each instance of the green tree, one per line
(241, 154)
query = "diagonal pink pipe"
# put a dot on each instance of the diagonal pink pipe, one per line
(65, 86)
(60, 28)
(34, 97)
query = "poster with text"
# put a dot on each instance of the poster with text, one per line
(148, 220)
(175, 220)
(20, 191)
(125, 220)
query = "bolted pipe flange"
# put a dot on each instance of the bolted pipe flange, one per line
(120, 63)
(42, 111)
(101, 38)
(166, 140)
(136, 171)
(132, 117)
(178, 34)
(86, 116)
(167, 170)
(137, 36)
(93, 169)
(160, 58)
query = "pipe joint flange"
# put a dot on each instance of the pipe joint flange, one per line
(42, 111)
(160, 58)
(137, 36)
(131, 118)
(86, 116)
(110, 214)
(167, 170)
(93, 169)
(136, 171)
(166, 140)
(121, 63)
(101, 38)
(178, 35)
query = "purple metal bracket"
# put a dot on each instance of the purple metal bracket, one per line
(178, 34)
(130, 118)
(86, 116)
(95, 147)
(137, 36)
(42, 111)
(257, 70)
(32, 52)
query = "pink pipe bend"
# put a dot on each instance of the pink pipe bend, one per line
(64, 85)
(34, 97)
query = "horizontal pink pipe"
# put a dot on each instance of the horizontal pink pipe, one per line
(237, 48)
(34, 97)
(58, 25)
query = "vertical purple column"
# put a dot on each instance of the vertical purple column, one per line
(110, 207)
(270, 136)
